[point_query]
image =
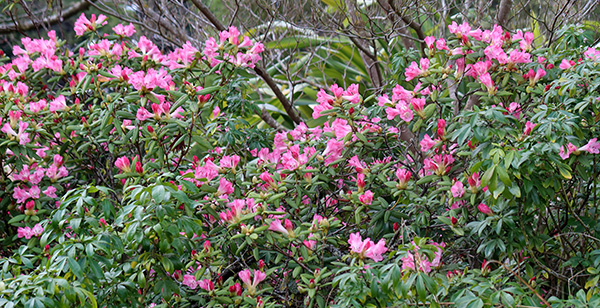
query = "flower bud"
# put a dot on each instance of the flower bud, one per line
(138, 167)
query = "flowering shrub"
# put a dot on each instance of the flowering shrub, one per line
(127, 181)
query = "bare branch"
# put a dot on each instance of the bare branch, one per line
(259, 70)
(503, 10)
(52, 19)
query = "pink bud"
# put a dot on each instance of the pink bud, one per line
(138, 167)
(485, 209)
(396, 227)
(288, 225)
(207, 246)
(30, 205)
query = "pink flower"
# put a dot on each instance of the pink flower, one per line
(278, 227)
(403, 176)
(366, 198)
(486, 80)
(225, 187)
(439, 164)
(402, 110)
(333, 151)
(27, 232)
(360, 181)
(485, 209)
(570, 148)
(359, 166)
(207, 285)
(519, 57)
(190, 281)
(22, 136)
(440, 44)
(420, 261)
(124, 31)
(418, 104)
(123, 164)
(413, 70)
(339, 127)
(58, 104)
(367, 248)
(528, 128)
(566, 64)
(474, 182)
(146, 81)
(429, 41)
(441, 128)
(143, 114)
(592, 147)
(310, 244)
(427, 143)
(229, 161)
(82, 24)
(525, 41)
(39, 106)
(592, 53)
(50, 192)
(245, 276)
(457, 190)
(37, 230)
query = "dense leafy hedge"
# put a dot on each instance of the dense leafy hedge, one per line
(127, 179)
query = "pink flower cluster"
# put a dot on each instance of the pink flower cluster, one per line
(327, 101)
(240, 58)
(592, 147)
(249, 283)
(83, 24)
(28, 232)
(414, 260)
(191, 282)
(367, 248)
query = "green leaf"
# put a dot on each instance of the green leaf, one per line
(503, 175)
(75, 268)
(487, 176)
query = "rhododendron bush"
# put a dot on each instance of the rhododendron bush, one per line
(127, 178)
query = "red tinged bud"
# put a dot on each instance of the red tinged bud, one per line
(549, 66)
(485, 209)
(30, 205)
(1, 53)
(177, 275)
(194, 252)
(453, 220)
(151, 130)
(235, 289)
(138, 167)
(557, 87)
(261, 265)
(351, 110)
(207, 246)
(396, 227)
(547, 87)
